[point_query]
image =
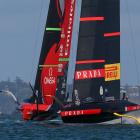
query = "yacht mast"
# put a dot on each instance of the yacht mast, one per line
(73, 51)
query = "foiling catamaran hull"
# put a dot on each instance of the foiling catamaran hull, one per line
(41, 116)
(97, 112)
(94, 112)
(37, 112)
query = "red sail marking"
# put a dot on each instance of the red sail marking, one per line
(90, 61)
(49, 74)
(58, 9)
(66, 34)
(112, 34)
(113, 68)
(92, 19)
(89, 74)
(80, 112)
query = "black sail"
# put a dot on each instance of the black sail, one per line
(93, 86)
(50, 37)
(97, 71)
(112, 42)
(55, 51)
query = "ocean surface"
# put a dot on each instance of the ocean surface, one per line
(13, 128)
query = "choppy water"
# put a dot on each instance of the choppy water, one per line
(15, 129)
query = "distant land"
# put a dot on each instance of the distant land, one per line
(22, 90)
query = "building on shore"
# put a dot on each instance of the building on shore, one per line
(132, 93)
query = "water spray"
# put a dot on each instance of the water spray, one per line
(10, 94)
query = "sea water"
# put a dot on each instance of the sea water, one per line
(13, 128)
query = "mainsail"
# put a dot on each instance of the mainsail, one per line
(93, 82)
(47, 68)
(58, 55)
(54, 57)
(97, 69)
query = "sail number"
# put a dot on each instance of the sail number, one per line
(49, 80)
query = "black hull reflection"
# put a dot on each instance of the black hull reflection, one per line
(48, 115)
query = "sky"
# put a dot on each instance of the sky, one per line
(21, 32)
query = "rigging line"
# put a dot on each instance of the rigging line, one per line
(133, 42)
(36, 39)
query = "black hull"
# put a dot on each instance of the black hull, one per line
(107, 112)
(90, 118)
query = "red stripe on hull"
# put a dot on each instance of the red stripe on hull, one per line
(33, 107)
(28, 109)
(80, 112)
(112, 34)
(92, 19)
(132, 108)
(90, 61)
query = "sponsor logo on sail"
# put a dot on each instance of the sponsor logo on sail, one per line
(89, 74)
(112, 72)
(50, 71)
(49, 80)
